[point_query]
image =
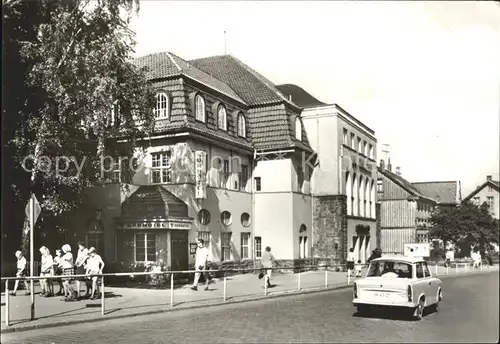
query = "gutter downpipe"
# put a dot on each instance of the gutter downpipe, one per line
(253, 206)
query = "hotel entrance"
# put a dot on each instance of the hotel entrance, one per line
(153, 230)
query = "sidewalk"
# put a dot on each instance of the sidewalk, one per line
(126, 302)
(123, 302)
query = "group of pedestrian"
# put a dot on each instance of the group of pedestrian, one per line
(88, 262)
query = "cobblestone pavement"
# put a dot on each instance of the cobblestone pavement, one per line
(469, 313)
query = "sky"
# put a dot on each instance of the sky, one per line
(424, 76)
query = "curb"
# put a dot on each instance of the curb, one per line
(250, 298)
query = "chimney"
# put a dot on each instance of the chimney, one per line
(389, 166)
(382, 164)
(488, 178)
(398, 170)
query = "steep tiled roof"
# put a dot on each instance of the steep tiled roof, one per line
(299, 96)
(409, 187)
(269, 117)
(165, 64)
(442, 192)
(493, 183)
(155, 201)
(254, 88)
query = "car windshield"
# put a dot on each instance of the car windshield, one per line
(389, 269)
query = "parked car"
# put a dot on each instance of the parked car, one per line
(403, 283)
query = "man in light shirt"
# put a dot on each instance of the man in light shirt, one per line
(94, 267)
(21, 272)
(201, 264)
(81, 260)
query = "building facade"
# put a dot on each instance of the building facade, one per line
(488, 192)
(404, 212)
(223, 164)
(343, 182)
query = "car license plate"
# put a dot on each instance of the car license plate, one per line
(381, 295)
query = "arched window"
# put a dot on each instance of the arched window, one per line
(162, 106)
(225, 218)
(298, 129)
(242, 126)
(222, 117)
(200, 108)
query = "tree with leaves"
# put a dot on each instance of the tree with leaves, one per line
(70, 91)
(464, 226)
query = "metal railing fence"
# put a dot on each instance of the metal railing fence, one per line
(171, 274)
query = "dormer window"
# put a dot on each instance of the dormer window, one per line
(161, 110)
(242, 125)
(200, 108)
(222, 117)
(298, 129)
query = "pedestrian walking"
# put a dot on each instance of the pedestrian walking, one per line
(268, 262)
(95, 265)
(358, 268)
(68, 270)
(46, 269)
(21, 272)
(81, 260)
(58, 271)
(200, 264)
(350, 261)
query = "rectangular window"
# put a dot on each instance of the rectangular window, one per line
(360, 147)
(346, 138)
(476, 201)
(245, 245)
(145, 247)
(205, 236)
(225, 174)
(257, 184)
(380, 186)
(491, 203)
(161, 170)
(258, 247)
(302, 247)
(112, 171)
(226, 246)
(365, 148)
(370, 151)
(243, 177)
(352, 141)
(490, 189)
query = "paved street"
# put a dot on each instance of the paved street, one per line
(469, 313)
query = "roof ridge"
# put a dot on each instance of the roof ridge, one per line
(264, 80)
(169, 54)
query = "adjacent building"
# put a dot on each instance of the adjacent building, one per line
(404, 211)
(488, 192)
(343, 180)
(446, 193)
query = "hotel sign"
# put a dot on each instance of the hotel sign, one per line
(200, 163)
(155, 225)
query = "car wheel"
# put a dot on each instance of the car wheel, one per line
(419, 311)
(440, 295)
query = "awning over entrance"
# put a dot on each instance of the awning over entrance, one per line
(154, 202)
